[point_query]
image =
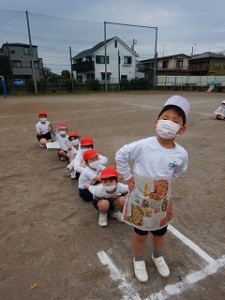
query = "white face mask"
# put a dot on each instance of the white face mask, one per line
(110, 188)
(85, 149)
(62, 132)
(74, 142)
(94, 164)
(167, 129)
(43, 120)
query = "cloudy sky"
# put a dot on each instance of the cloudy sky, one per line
(193, 26)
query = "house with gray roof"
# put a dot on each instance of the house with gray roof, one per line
(20, 57)
(121, 62)
(207, 63)
(176, 64)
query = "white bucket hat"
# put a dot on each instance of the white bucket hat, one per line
(181, 102)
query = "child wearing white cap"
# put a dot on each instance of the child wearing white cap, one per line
(220, 111)
(157, 160)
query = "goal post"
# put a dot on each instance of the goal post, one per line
(3, 86)
(137, 26)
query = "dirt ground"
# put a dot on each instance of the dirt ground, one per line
(50, 239)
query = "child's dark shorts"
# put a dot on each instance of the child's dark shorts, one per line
(110, 200)
(46, 136)
(86, 195)
(158, 232)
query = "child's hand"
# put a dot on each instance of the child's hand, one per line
(130, 183)
(83, 165)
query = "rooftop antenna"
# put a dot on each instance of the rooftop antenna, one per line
(134, 43)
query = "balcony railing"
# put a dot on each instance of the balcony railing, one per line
(84, 66)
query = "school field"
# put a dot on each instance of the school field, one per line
(51, 247)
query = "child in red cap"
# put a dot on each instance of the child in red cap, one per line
(109, 196)
(90, 174)
(63, 139)
(43, 129)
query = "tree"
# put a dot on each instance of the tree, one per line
(65, 74)
(46, 73)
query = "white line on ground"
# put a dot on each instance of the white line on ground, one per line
(191, 244)
(126, 288)
(172, 289)
(179, 287)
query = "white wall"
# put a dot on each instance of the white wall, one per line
(112, 67)
(195, 80)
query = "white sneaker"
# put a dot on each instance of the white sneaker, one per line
(73, 175)
(140, 270)
(103, 219)
(116, 215)
(161, 266)
(62, 158)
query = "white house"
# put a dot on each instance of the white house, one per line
(121, 62)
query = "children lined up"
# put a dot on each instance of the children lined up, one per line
(86, 165)
(145, 199)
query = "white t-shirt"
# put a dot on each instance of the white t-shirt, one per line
(103, 160)
(88, 175)
(73, 151)
(148, 207)
(100, 192)
(151, 159)
(63, 141)
(220, 111)
(42, 128)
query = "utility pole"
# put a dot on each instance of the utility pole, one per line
(71, 70)
(119, 69)
(31, 54)
(11, 70)
(106, 83)
(163, 46)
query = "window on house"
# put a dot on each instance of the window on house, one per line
(127, 60)
(123, 77)
(90, 76)
(100, 59)
(218, 65)
(115, 43)
(165, 64)
(16, 64)
(103, 76)
(36, 64)
(12, 51)
(179, 63)
(26, 51)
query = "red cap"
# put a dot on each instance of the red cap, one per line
(42, 113)
(62, 125)
(86, 141)
(88, 154)
(73, 134)
(109, 172)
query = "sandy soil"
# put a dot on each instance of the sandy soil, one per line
(50, 238)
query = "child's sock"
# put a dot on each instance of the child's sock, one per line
(138, 258)
(157, 254)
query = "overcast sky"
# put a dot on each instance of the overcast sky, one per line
(193, 26)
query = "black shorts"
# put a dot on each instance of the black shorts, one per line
(110, 200)
(158, 232)
(46, 136)
(63, 151)
(85, 195)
